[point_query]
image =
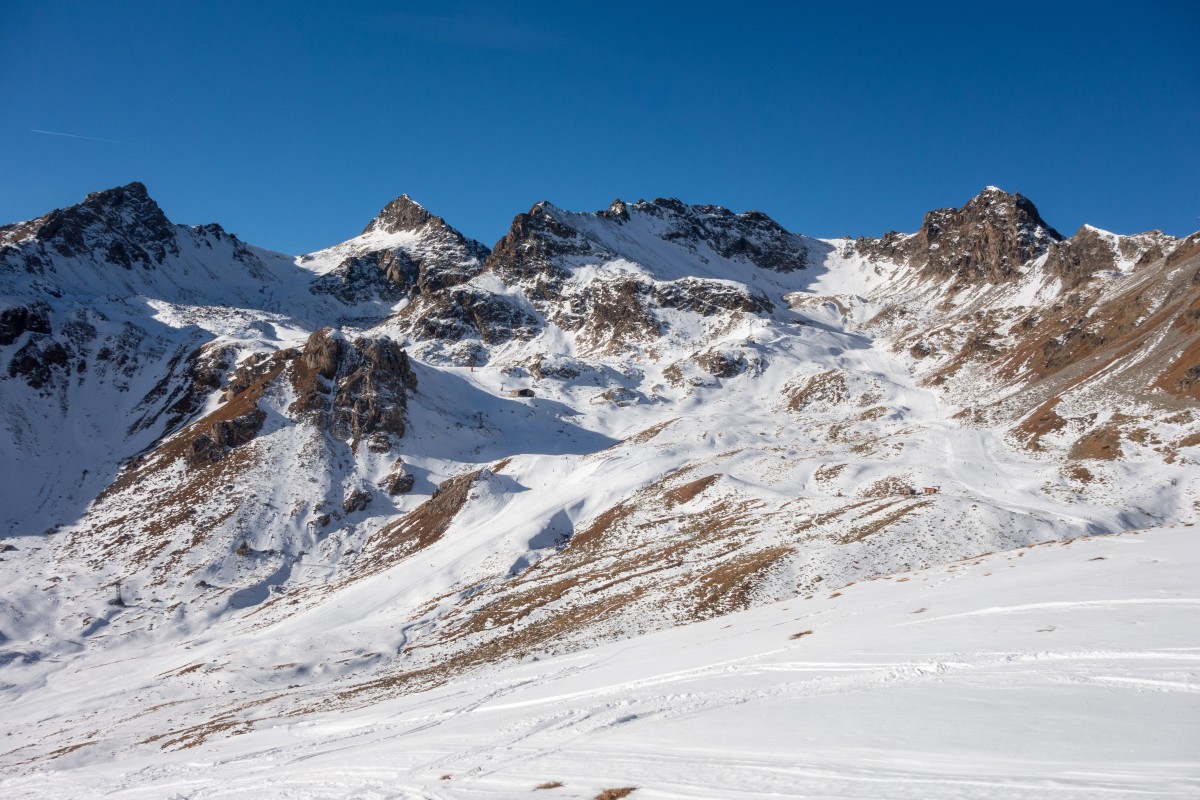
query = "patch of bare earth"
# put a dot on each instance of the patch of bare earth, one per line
(419, 528)
(1042, 421)
(616, 794)
(1102, 443)
(827, 387)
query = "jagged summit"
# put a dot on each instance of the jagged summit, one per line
(987, 240)
(402, 214)
(123, 225)
(404, 251)
(994, 201)
(637, 231)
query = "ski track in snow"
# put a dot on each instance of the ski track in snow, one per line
(1011, 692)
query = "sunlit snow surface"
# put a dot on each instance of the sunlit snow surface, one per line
(1063, 670)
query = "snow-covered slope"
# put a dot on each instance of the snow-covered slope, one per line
(1066, 670)
(383, 467)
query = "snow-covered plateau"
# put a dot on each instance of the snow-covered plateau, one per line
(661, 498)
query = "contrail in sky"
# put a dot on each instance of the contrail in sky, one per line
(77, 136)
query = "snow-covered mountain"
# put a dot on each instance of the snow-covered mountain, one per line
(382, 467)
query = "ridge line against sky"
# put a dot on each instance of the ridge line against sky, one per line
(293, 124)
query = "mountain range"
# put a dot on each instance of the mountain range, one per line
(282, 486)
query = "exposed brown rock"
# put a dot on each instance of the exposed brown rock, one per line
(397, 482)
(352, 389)
(610, 316)
(225, 434)
(709, 298)
(1075, 260)
(439, 258)
(721, 363)
(985, 241)
(827, 387)
(356, 500)
(401, 214)
(120, 226)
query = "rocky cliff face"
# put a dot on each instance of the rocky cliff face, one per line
(353, 389)
(548, 261)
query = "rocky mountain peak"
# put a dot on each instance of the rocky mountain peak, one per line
(751, 236)
(988, 240)
(122, 226)
(996, 203)
(402, 214)
(617, 211)
(532, 241)
(391, 270)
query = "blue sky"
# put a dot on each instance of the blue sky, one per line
(291, 124)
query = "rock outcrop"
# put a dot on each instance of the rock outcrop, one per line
(352, 389)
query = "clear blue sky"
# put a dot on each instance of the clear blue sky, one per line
(291, 124)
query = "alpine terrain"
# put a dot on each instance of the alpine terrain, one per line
(663, 498)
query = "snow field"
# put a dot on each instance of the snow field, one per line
(1065, 670)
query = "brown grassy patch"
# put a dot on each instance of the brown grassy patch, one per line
(1182, 377)
(644, 436)
(828, 387)
(886, 487)
(689, 491)
(857, 534)
(550, 785)
(603, 522)
(729, 586)
(71, 748)
(1189, 441)
(616, 794)
(183, 670)
(828, 472)
(1079, 473)
(509, 644)
(420, 527)
(1042, 421)
(873, 413)
(192, 736)
(1102, 443)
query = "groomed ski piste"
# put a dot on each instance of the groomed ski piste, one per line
(1065, 670)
